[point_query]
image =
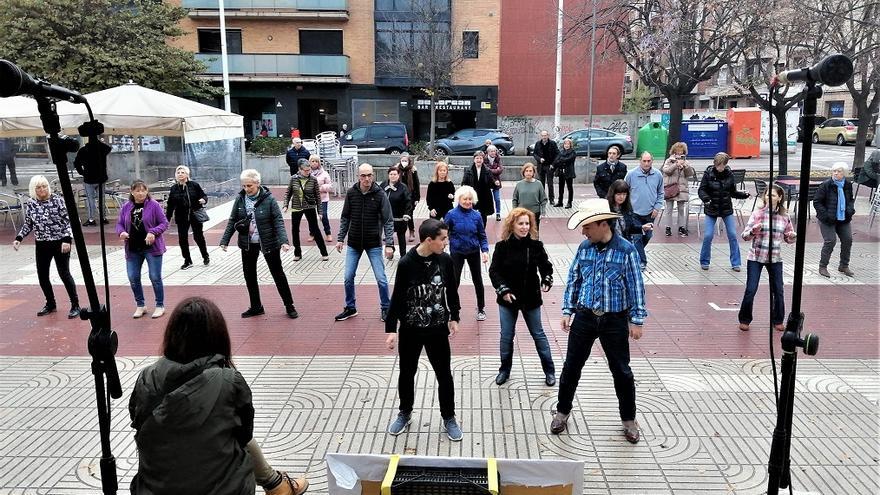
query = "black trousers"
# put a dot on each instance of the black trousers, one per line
(273, 260)
(547, 180)
(473, 262)
(566, 181)
(46, 251)
(183, 226)
(400, 227)
(314, 230)
(11, 164)
(436, 346)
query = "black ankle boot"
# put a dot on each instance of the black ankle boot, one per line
(48, 308)
(74, 312)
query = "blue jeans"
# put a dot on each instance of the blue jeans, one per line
(134, 263)
(324, 219)
(352, 257)
(753, 272)
(532, 317)
(709, 233)
(642, 240)
(91, 191)
(612, 330)
(496, 193)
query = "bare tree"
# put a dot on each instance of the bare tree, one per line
(672, 45)
(786, 40)
(854, 30)
(423, 55)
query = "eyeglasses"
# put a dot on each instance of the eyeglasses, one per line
(366, 175)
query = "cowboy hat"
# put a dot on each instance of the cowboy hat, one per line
(589, 211)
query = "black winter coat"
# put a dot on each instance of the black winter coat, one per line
(605, 176)
(825, 202)
(565, 162)
(483, 186)
(410, 177)
(270, 222)
(366, 218)
(546, 151)
(716, 190)
(183, 200)
(400, 199)
(515, 268)
(438, 198)
(293, 156)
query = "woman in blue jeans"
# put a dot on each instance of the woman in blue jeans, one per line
(520, 271)
(141, 225)
(716, 191)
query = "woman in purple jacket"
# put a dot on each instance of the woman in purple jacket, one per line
(141, 225)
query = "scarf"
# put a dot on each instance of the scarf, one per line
(841, 200)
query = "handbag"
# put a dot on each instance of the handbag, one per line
(200, 215)
(671, 191)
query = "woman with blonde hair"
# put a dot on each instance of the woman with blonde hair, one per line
(441, 191)
(46, 215)
(520, 271)
(676, 171)
(186, 203)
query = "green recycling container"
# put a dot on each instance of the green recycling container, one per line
(653, 138)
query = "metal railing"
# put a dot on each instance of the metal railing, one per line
(279, 64)
(326, 5)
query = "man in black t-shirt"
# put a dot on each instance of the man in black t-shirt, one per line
(428, 314)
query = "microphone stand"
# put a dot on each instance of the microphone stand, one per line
(780, 449)
(103, 341)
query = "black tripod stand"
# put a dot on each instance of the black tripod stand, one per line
(102, 340)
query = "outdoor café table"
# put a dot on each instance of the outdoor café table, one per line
(791, 187)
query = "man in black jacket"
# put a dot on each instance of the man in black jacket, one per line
(295, 153)
(366, 220)
(545, 154)
(7, 159)
(609, 171)
(428, 314)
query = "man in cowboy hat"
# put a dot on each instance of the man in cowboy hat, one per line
(604, 298)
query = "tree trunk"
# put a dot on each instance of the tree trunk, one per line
(432, 133)
(862, 131)
(676, 106)
(782, 139)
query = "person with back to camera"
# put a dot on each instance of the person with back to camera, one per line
(141, 226)
(468, 242)
(835, 208)
(185, 198)
(676, 171)
(758, 231)
(440, 193)
(46, 215)
(302, 197)
(428, 312)
(258, 220)
(520, 271)
(193, 415)
(716, 191)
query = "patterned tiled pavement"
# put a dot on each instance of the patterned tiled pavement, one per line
(705, 390)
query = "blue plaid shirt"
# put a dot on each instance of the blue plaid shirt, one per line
(609, 280)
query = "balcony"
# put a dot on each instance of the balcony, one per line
(331, 10)
(279, 67)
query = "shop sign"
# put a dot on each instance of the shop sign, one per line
(444, 104)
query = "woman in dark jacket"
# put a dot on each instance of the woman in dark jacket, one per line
(409, 176)
(185, 198)
(441, 190)
(563, 167)
(716, 191)
(519, 258)
(835, 208)
(303, 196)
(627, 224)
(194, 417)
(493, 163)
(480, 178)
(260, 225)
(401, 205)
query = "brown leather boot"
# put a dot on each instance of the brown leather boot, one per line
(823, 270)
(844, 269)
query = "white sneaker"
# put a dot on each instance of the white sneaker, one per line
(139, 311)
(481, 315)
(158, 312)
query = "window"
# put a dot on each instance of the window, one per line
(359, 134)
(368, 111)
(209, 41)
(410, 5)
(464, 133)
(320, 42)
(835, 109)
(386, 131)
(470, 44)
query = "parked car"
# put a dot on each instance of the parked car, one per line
(840, 131)
(467, 141)
(379, 137)
(599, 141)
(800, 126)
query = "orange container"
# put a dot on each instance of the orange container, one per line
(744, 132)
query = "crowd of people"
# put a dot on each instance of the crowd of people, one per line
(603, 297)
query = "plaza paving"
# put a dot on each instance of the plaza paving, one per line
(704, 389)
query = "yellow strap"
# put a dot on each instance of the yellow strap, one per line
(492, 472)
(390, 474)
